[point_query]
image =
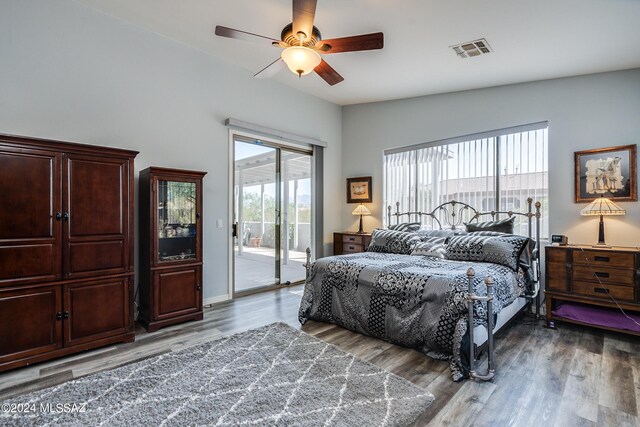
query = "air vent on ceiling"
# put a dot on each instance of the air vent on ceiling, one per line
(474, 48)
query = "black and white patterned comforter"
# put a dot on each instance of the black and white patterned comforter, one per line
(414, 301)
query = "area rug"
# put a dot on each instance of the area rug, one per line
(274, 375)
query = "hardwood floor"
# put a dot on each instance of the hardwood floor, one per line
(570, 376)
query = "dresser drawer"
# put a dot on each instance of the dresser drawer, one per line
(352, 248)
(556, 270)
(556, 254)
(603, 291)
(555, 284)
(349, 238)
(606, 275)
(603, 258)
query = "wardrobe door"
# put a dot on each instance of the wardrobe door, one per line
(94, 310)
(30, 217)
(96, 200)
(32, 321)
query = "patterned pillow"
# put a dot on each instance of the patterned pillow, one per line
(434, 246)
(502, 225)
(504, 249)
(525, 256)
(392, 242)
(436, 233)
(487, 233)
(405, 226)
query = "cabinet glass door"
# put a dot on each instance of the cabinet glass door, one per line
(176, 220)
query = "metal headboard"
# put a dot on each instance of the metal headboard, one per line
(454, 214)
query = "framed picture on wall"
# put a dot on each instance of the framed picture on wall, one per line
(359, 190)
(609, 172)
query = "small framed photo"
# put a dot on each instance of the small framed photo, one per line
(359, 190)
(609, 172)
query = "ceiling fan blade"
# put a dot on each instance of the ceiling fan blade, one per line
(243, 35)
(304, 13)
(329, 75)
(270, 70)
(352, 44)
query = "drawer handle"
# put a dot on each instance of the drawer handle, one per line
(600, 274)
(601, 258)
(352, 239)
(351, 248)
(65, 315)
(58, 316)
(601, 290)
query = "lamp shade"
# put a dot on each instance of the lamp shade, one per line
(361, 210)
(301, 60)
(602, 206)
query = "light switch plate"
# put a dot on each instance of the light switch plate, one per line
(219, 223)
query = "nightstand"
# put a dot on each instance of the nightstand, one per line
(349, 242)
(588, 280)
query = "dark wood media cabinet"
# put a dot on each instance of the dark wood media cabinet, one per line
(66, 249)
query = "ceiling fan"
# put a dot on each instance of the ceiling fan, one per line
(303, 44)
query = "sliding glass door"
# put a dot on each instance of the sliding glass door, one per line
(295, 205)
(272, 214)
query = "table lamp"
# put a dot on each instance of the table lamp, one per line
(362, 211)
(602, 206)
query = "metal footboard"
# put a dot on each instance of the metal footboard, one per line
(471, 297)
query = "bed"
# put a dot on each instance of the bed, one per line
(446, 307)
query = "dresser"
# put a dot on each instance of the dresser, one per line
(66, 248)
(349, 242)
(595, 277)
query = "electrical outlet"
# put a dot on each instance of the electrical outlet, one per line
(219, 223)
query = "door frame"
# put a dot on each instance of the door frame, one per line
(273, 143)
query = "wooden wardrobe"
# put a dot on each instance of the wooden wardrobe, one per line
(66, 248)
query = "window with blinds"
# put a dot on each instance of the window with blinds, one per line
(495, 170)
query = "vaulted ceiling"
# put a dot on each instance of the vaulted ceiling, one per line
(532, 40)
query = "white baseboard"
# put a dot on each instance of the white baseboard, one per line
(213, 300)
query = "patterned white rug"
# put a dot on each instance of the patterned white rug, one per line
(274, 375)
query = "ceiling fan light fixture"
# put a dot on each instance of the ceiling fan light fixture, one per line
(301, 60)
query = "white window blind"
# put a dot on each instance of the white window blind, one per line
(475, 169)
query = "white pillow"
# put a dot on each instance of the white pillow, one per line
(433, 247)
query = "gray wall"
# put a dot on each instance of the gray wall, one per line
(71, 73)
(584, 112)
